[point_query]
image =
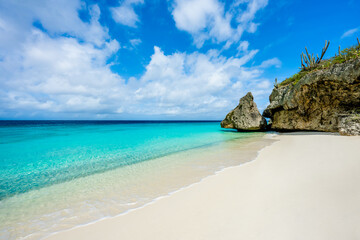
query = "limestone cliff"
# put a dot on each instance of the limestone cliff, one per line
(317, 100)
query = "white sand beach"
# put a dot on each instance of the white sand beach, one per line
(304, 186)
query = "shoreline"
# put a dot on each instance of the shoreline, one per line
(169, 194)
(81, 202)
(114, 227)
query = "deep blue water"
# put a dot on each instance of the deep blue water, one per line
(34, 154)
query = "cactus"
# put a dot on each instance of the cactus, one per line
(276, 83)
(358, 41)
(339, 50)
(309, 61)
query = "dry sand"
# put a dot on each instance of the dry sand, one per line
(302, 187)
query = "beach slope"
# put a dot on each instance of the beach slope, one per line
(304, 186)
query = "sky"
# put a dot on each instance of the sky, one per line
(157, 59)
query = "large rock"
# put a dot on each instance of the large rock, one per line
(317, 100)
(245, 117)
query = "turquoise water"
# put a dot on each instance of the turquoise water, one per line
(34, 155)
(53, 170)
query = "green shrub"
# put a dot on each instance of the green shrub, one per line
(344, 55)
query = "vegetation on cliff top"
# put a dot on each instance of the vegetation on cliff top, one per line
(311, 64)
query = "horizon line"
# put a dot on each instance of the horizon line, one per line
(110, 120)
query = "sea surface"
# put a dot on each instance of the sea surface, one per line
(55, 175)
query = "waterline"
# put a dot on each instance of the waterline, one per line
(57, 207)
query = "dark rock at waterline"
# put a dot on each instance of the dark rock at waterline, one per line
(245, 117)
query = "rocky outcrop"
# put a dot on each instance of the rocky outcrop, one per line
(245, 117)
(349, 125)
(317, 100)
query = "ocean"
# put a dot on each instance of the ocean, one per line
(55, 175)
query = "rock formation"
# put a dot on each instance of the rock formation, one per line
(245, 117)
(318, 99)
(349, 125)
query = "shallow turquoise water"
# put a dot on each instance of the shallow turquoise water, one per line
(55, 175)
(37, 154)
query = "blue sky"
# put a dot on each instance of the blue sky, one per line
(157, 59)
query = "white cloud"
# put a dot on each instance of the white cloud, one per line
(125, 13)
(350, 32)
(271, 62)
(252, 27)
(196, 83)
(63, 70)
(134, 42)
(61, 75)
(252, 7)
(179, 84)
(243, 46)
(208, 19)
(265, 84)
(57, 17)
(203, 19)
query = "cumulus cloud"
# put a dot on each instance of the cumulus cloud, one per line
(195, 83)
(208, 19)
(57, 17)
(52, 61)
(125, 13)
(350, 32)
(60, 75)
(52, 70)
(203, 19)
(63, 76)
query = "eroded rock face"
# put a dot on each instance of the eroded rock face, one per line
(245, 117)
(349, 125)
(317, 100)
